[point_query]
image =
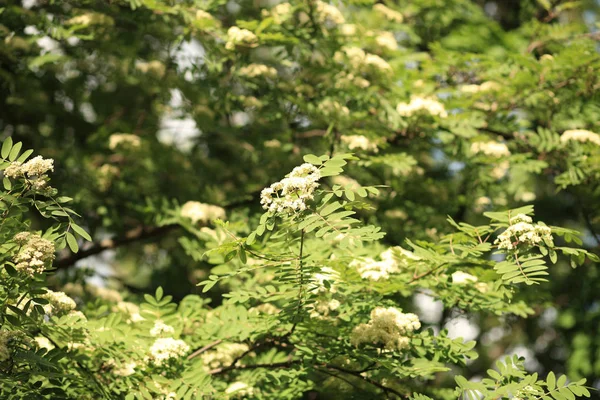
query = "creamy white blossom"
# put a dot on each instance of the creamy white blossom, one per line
(240, 37)
(223, 355)
(386, 40)
(368, 268)
(153, 67)
(484, 87)
(104, 293)
(280, 13)
(523, 231)
(59, 303)
(492, 149)
(126, 140)
(462, 278)
(34, 254)
(43, 343)
(291, 193)
(197, 211)
(345, 80)
(254, 70)
(332, 108)
(201, 14)
(165, 349)
(328, 14)
(388, 13)
(580, 135)
(361, 61)
(5, 338)
(387, 326)
(36, 169)
(422, 104)
(125, 369)
(354, 142)
(160, 328)
(239, 389)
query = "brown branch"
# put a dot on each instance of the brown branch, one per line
(201, 350)
(373, 382)
(285, 364)
(134, 235)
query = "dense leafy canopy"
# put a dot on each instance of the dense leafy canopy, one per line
(299, 199)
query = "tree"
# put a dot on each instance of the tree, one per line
(417, 137)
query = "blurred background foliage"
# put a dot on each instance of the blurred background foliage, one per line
(75, 73)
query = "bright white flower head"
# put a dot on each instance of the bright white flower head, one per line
(484, 87)
(328, 14)
(126, 369)
(291, 193)
(160, 328)
(201, 14)
(492, 149)
(197, 211)
(332, 108)
(422, 104)
(280, 13)
(359, 142)
(59, 303)
(43, 343)
(223, 355)
(388, 326)
(361, 61)
(153, 67)
(124, 140)
(240, 37)
(165, 349)
(239, 389)
(388, 13)
(462, 278)
(580, 135)
(387, 41)
(35, 169)
(522, 231)
(254, 70)
(34, 254)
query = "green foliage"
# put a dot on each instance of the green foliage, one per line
(398, 149)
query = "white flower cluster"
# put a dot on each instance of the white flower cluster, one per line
(580, 135)
(361, 61)
(388, 13)
(34, 170)
(368, 268)
(280, 13)
(104, 293)
(484, 87)
(526, 393)
(125, 369)
(254, 70)
(388, 326)
(328, 14)
(359, 142)
(332, 108)
(43, 343)
(419, 104)
(223, 355)
(5, 338)
(91, 19)
(492, 149)
(386, 40)
(34, 253)
(290, 194)
(165, 349)
(59, 303)
(321, 308)
(326, 274)
(201, 14)
(239, 389)
(240, 37)
(197, 211)
(522, 231)
(131, 310)
(160, 328)
(462, 278)
(345, 80)
(126, 140)
(153, 67)
(348, 29)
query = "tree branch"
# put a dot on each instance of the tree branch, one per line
(201, 350)
(134, 235)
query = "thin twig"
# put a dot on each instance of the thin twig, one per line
(205, 348)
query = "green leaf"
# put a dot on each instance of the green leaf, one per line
(81, 232)
(551, 381)
(72, 242)
(6, 146)
(14, 153)
(314, 160)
